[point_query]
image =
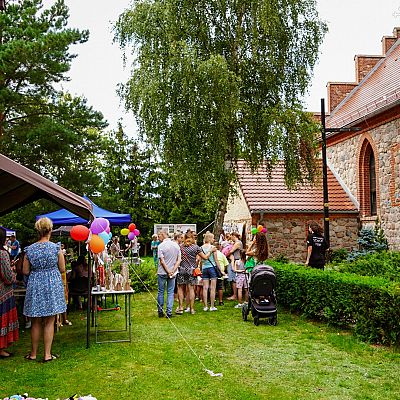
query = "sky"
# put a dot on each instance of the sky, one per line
(355, 27)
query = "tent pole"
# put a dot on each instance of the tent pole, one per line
(89, 300)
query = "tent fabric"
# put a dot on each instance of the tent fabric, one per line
(65, 217)
(9, 232)
(21, 186)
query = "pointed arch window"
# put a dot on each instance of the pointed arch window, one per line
(372, 184)
(368, 182)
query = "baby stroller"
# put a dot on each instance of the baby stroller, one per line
(262, 298)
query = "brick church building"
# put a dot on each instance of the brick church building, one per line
(363, 166)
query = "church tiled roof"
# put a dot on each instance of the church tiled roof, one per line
(263, 195)
(379, 90)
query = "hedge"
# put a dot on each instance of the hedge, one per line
(368, 305)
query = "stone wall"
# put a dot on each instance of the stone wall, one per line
(287, 233)
(343, 157)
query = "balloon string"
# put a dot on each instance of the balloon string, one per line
(211, 373)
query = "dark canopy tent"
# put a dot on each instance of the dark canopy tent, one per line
(21, 186)
(65, 217)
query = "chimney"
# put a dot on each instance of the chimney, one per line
(364, 65)
(337, 91)
(389, 41)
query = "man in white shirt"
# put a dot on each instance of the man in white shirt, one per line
(169, 259)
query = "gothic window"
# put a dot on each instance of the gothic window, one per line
(368, 181)
(372, 183)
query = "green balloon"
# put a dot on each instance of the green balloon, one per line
(254, 231)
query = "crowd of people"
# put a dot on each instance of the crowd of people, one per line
(199, 272)
(184, 269)
(191, 272)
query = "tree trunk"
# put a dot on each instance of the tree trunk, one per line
(221, 211)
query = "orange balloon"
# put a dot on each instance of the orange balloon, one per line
(260, 228)
(96, 244)
(131, 227)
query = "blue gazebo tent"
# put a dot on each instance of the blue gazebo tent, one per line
(9, 232)
(65, 217)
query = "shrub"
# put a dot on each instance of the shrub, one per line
(384, 264)
(281, 258)
(370, 241)
(369, 305)
(143, 276)
(339, 255)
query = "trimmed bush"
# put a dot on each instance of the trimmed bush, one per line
(369, 305)
(384, 264)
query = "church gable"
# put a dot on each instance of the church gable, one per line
(368, 161)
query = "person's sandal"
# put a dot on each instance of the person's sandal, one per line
(29, 358)
(53, 357)
(179, 312)
(66, 322)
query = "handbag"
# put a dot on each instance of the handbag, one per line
(197, 272)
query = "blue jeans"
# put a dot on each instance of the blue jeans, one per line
(170, 282)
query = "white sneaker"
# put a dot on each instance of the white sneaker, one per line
(187, 309)
(213, 308)
(239, 305)
(206, 309)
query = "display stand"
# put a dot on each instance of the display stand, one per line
(96, 294)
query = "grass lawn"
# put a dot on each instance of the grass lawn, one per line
(297, 359)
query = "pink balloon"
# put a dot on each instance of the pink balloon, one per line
(264, 230)
(136, 232)
(131, 236)
(108, 230)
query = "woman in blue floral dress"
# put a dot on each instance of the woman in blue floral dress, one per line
(44, 262)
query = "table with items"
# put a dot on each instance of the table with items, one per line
(99, 294)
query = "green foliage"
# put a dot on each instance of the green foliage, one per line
(214, 82)
(370, 305)
(143, 276)
(49, 131)
(370, 240)
(281, 258)
(134, 182)
(382, 264)
(339, 255)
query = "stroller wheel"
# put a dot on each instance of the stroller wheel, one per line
(273, 321)
(245, 312)
(256, 321)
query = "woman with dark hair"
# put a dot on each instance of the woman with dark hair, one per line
(258, 248)
(316, 246)
(8, 309)
(44, 262)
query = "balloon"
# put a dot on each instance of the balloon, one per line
(132, 227)
(131, 236)
(96, 244)
(79, 233)
(110, 235)
(99, 225)
(260, 228)
(254, 231)
(264, 230)
(136, 232)
(124, 231)
(108, 230)
(104, 236)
